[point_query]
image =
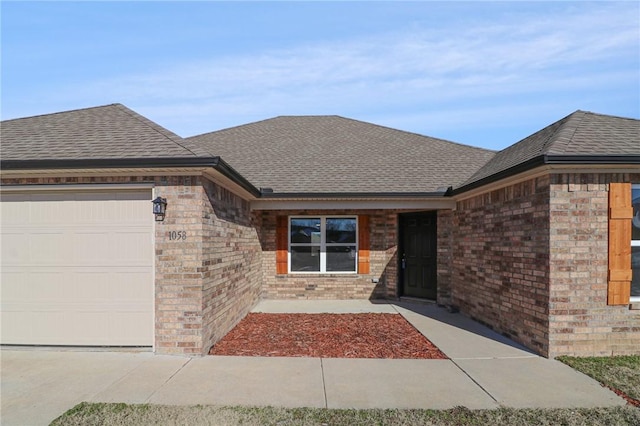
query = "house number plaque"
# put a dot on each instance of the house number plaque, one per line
(177, 235)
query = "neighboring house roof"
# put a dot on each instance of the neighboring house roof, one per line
(105, 132)
(583, 136)
(332, 154)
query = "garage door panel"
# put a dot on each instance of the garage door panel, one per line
(11, 213)
(128, 284)
(135, 323)
(15, 247)
(93, 248)
(42, 211)
(39, 246)
(47, 248)
(134, 248)
(93, 212)
(44, 287)
(79, 271)
(92, 287)
(17, 326)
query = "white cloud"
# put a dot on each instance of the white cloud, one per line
(408, 73)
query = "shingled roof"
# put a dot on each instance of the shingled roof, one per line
(311, 155)
(332, 154)
(581, 134)
(105, 132)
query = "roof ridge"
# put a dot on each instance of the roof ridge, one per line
(62, 112)
(166, 133)
(232, 127)
(347, 119)
(414, 133)
(599, 114)
(577, 116)
(553, 138)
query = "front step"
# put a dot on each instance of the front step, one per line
(417, 300)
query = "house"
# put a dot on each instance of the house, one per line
(535, 241)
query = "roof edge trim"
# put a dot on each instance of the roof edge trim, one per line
(550, 159)
(352, 195)
(102, 163)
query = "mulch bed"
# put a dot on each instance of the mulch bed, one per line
(327, 336)
(630, 401)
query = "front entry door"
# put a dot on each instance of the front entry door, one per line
(418, 255)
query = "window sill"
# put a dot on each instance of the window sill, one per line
(319, 275)
(634, 306)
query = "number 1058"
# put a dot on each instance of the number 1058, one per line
(177, 235)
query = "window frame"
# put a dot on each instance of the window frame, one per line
(323, 244)
(634, 243)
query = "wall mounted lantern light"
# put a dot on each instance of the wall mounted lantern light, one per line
(159, 208)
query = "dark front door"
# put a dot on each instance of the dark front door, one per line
(418, 255)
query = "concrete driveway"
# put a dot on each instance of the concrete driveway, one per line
(485, 370)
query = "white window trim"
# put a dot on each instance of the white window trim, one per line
(634, 243)
(323, 244)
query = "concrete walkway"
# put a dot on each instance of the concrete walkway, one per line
(485, 370)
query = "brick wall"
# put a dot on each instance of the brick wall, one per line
(384, 260)
(581, 322)
(500, 273)
(208, 280)
(232, 262)
(178, 275)
(383, 227)
(445, 255)
(530, 261)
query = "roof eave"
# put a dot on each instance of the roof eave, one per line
(215, 163)
(267, 195)
(551, 159)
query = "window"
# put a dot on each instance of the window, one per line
(323, 244)
(635, 243)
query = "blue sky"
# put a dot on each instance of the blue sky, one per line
(481, 73)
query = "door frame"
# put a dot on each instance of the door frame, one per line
(401, 219)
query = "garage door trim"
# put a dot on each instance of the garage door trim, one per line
(115, 189)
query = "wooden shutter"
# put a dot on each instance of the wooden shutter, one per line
(620, 214)
(364, 244)
(282, 245)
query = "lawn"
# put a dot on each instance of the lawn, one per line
(621, 373)
(616, 372)
(121, 414)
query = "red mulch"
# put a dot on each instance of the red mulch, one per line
(630, 401)
(326, 336)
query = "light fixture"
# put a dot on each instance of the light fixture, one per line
(159, 208)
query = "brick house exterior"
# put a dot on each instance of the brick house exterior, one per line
(536, 267)
(521, 238)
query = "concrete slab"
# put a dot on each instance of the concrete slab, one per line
(400, 383)
(459, 336)
(137, 386)
(222, 380)
(537, 382)
(323, 306)
(38, 386)
(485, 370)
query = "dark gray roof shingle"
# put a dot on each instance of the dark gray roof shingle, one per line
(313, 154)
(581, 133)
(105, 132)
(325, 154)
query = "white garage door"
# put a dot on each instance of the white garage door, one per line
(77, 268)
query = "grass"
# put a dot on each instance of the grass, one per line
(87, 414)
(621, 372)
(618, 372)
